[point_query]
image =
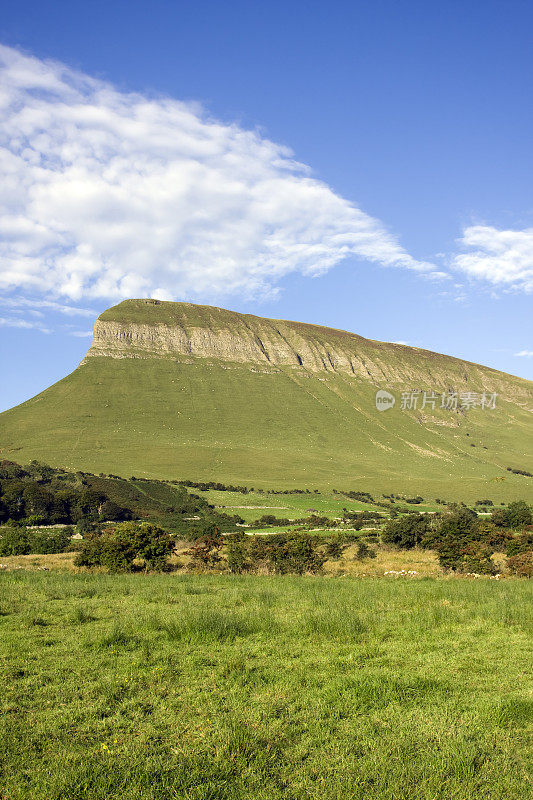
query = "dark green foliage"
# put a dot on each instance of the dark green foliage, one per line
(110, 511)
(516, 515)
(287, 553)
(237, 555)
(119, 547)
(519, 514)
(50, 541)
(108, 550)
(520, 472)
(520, 544)
(20, 541)
(473, 557)
(335, 547)
(364, 551)
(14, 542)
(270, 519)
(38, 494)
(462, 543)
(406, 532)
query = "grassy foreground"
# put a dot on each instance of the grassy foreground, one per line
(227, 687)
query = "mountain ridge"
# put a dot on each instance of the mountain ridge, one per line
(211, 332)
(183, 391)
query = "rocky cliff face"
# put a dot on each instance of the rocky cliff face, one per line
(147, 328)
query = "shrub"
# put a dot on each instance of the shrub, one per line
(520, 544)
(117, 548)
(464, 543)
(335, 547)
(206, 549)
(364, 551)
(515, 515)
(295, 553)
(270, 519)
(106, 550)
(518, 514)
(521, 564)
(14, 542)
(407, 532)
(238, 558)
(111, 511)
(52, 541)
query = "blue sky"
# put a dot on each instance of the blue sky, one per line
(412, 220)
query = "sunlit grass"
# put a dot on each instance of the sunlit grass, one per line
(224, 687)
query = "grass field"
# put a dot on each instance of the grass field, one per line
(253, 505)
(227, 687)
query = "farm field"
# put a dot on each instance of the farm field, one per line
(191, 686)
(253, 505)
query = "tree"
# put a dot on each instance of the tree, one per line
(459, 541)
(519, 514)
(238, 557)
(13, 542)
(206, 549)
(364, 551)
(406, 532)
(112, 511)
(117, 548)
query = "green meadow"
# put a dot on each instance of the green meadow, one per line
(206, 687)
(203, 421)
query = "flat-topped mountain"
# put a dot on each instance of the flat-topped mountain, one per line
(177, 390)
(148, 328)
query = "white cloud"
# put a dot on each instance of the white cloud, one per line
(14, 322)
(81, 334)
(502, 257)
(111, 194)
(19, 303)
(525, 354)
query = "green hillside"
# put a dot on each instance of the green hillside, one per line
(178, 391)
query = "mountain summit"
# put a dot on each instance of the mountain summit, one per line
(177, 390)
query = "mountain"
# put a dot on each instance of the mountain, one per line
(184, 391)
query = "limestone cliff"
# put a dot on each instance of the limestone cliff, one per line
(151, 328)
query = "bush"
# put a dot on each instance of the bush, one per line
(117, 548)
(515, 515)
(520, 544)
(464, 543)
(335, 547)
(407, 532)
(107, 550)
(238, 557)
(111, 511)
(14, 542)
(52, 541)
(518, 514)
(270, 519)
(364, 551)
(521, 564)
(206, 549)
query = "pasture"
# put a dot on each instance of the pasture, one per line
(206, 687)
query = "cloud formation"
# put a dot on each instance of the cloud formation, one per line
(525, 354)
(15, 322)
(502, 257)
(108, 194)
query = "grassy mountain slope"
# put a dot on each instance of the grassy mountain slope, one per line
(174, 390)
